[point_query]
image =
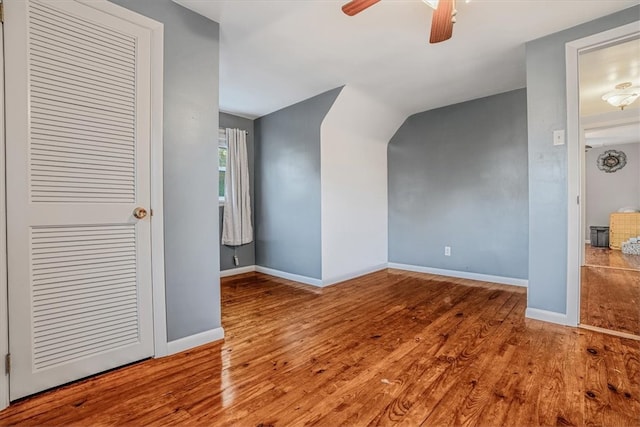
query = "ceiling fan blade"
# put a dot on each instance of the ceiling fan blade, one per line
(357, 6)
(442, 21)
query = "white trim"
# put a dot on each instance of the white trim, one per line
(157, 191)
(575, 147)
(587, 242)
(236, 271)
(195, 340)
(289, 276)
(546, 316)
(4, 305)
(353, 275)
(462, 274)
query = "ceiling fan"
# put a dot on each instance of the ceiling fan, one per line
(441, 24)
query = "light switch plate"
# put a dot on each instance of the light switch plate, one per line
(558, 137)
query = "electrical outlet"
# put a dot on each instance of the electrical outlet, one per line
(447, 251)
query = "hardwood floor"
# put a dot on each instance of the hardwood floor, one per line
(610, 291)
(390, 348)
(610, 299)
(605, 257)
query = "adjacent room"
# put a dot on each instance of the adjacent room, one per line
(610, 272)
(365, 212)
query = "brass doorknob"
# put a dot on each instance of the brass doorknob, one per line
(140, 213)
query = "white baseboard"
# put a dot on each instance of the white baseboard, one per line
(587, 242)
(462, 274)
(353, 275)
(289, 276)
(236, 271)
(195, 340)
(546, 316)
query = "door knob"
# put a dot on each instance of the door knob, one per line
(140, 213)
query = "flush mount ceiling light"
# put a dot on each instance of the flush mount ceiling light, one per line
(623, 95)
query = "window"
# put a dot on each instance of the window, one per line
(222, 162)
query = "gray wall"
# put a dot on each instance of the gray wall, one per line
(191, 46)
(458, 177)
(287, 178)
(547, 111)
(246, 253)
(608, 192)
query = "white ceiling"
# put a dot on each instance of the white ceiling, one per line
(613, 135)
(602, 69)
(274, 53)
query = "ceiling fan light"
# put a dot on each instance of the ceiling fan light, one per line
(624, 95)
(432, 3)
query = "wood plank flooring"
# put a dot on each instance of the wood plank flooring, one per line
(605, 257)
(610, 299)
(390, 348)
(610, 291)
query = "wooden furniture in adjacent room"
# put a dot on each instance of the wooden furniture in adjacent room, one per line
(622, 226)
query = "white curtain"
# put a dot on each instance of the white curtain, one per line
(236, 224)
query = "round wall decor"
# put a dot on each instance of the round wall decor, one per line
(612, 161)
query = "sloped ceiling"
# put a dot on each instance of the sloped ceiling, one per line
(277, 52)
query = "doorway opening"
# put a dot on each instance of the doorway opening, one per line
(603, 289)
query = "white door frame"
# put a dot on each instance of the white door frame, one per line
(4, 307)
(157, 227)
(575, 150)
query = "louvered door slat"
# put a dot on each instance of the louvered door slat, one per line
(86, 59)
(68, 303)
(52, 68)
(57, 150)
(107, 310)
(67, 37)
(57, 232)
(73, 242)
(91, 30)
(80, 265)
(53, 253)
(73, 50)
(99, 343)
(83, 333)
(68, 34)
(55, 72)
(46, 153)
(48, 52)
(45, 157)
(57, 88)
(77, 97)
(85, 118)
(51, 132)
(77, 288)
(92, 319)
(49, 65)
(48, 73)
(80, 147)
(86, 284)
(46, 59)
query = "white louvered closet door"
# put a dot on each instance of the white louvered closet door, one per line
(78, 116)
